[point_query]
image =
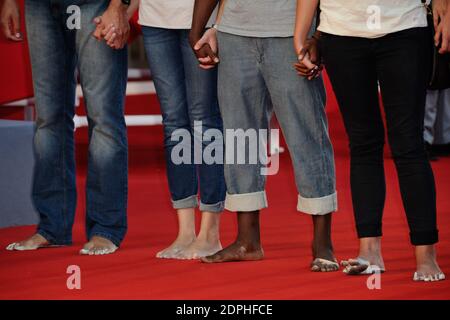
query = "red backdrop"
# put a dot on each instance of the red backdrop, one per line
(15, 75)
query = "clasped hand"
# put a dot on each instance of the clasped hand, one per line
(113, 27)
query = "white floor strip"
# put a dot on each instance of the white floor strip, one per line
(133, 88)
(135, 120)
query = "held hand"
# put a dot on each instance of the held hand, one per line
(439, 11)
(110, 38)
(10, 20)
(113, 27)
(206, 49)
(442, 36)
(309, 63)
(441, 21)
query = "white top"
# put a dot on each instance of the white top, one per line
(370, 18)
(168, 14)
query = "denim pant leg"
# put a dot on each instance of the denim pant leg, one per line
(299, 105)
(53, 63)
(204, 115)
(166, 64)
(103, 75)
(244, 103)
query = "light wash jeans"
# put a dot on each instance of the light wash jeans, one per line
(55, 53)
(256, 75)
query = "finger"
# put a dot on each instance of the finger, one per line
(313, 55)
(200, 43)
(15, 20)
(115, 44)
(110, 34)
(206, 60)
(307, 62)
(97, 33)
(106, 29)
(438, 35)
(303, 72)
(301, 67)
(444, 41)
(97, 20)
(6, 30)
(206, 67)
(312, 75)
(211, 54)
(302, 54)
(435, 18)
(111, 41)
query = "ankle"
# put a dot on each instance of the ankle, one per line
(370, 246)
(186, 236)
(210, 236)
(425, 254)
(251, 244)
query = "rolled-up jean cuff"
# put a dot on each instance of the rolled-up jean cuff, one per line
(369, 230)
(186, 203)
(424, 238)
(246, 202)
(318, 206)
(215, 208)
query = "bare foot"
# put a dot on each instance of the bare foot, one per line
(427, 266)
(208, 240)
(186, 234)
(369, 259)
(98, 246)
(200, 248)
(324, 259)
(179, 245)
(36, 241)
(237, 251)
(322, 247)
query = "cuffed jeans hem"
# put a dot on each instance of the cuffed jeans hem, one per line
(186, 203)
(369, 231)
(106, 236)
(246, 202)
(52, 240)
(424, 238)
(318, 206)
(215, 208)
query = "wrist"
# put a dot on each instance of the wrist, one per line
(118, 5)
(194, 36)
(316, 36)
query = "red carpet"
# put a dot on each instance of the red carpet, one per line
(135, 273)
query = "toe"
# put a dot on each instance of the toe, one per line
(344, 263)
(210, 259)
(352, 269)
(315, 268)
(11, 246)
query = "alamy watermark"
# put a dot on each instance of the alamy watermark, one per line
(234, 146)
(74, 280)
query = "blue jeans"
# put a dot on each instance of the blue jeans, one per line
(255, 77)
(56, 52)
(186, 94)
